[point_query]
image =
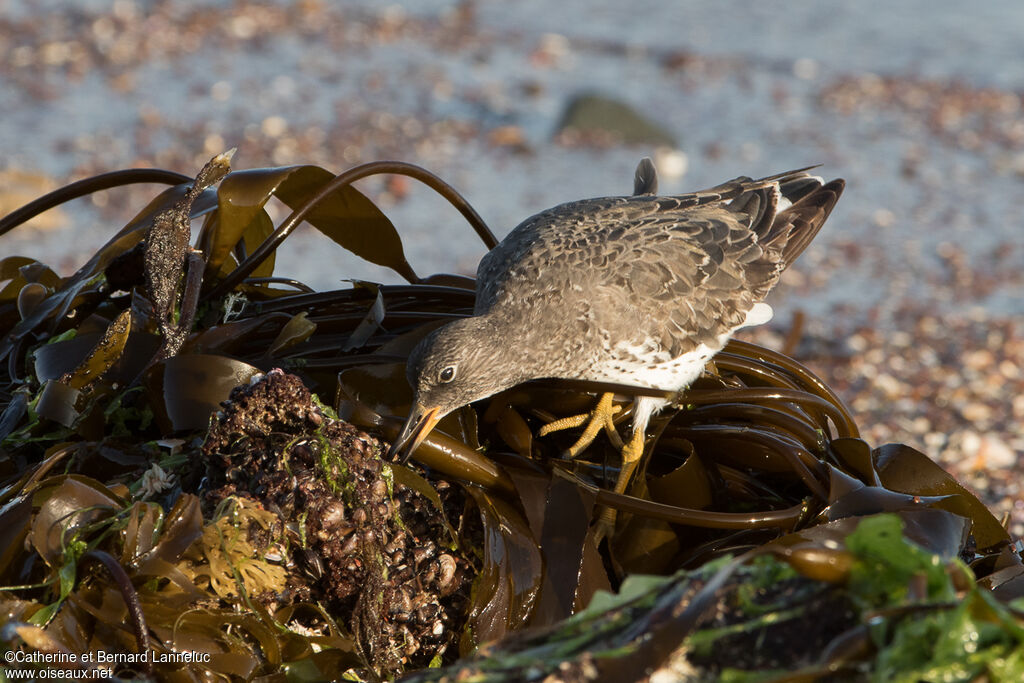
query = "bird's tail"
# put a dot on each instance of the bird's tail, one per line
(786, 210)
(811, 202)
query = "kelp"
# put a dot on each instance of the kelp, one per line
(911, 606)
(190, 462)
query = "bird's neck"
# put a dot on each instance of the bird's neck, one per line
(524, 347)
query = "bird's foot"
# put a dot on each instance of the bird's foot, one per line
(600, 417)
(631, 454)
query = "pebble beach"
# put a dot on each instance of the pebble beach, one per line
(909, 303)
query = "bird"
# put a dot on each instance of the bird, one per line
(639, 290)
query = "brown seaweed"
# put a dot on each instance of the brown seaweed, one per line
(204, 540)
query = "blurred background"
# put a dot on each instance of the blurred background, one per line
(909, 302)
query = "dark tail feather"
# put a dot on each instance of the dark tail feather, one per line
(736, 188)
(805, 218)
(760, 206)
(790, 230)
(645, 180)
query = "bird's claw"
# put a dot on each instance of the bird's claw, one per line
(601, 417)
(598, 418)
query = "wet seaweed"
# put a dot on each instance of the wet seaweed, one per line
(209, 432)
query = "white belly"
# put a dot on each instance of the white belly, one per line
(660, 371)
(672, 374)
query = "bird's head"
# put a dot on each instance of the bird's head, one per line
(453, 366)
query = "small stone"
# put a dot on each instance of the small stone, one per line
(274, 126)
(993, 452)
(1009, 369)
(970, 443)
(507, 136)
(884, 218)
(977, 412)
(889, 385)
(806, 69)
(978, 359)
(857, 343)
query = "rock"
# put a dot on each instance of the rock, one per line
(597, 119)
(985, 452)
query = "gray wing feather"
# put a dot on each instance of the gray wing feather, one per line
(677, 270)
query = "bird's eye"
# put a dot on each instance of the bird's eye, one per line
(448, 374)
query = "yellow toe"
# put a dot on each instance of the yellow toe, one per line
(600, 417)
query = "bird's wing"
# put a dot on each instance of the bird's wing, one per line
(678, 270)
(676, 280)
(700, 269)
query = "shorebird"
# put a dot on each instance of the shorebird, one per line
(637, 290)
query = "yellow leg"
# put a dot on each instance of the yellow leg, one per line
(600, 416)
(631, 454)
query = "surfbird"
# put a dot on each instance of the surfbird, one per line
(637, 290)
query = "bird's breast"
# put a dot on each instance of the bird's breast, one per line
(648, 365)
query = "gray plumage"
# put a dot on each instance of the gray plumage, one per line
(638, 289)
(645, 180)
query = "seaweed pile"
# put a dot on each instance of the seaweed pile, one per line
(191, 476)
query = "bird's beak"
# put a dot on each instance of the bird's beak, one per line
(420, 423)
